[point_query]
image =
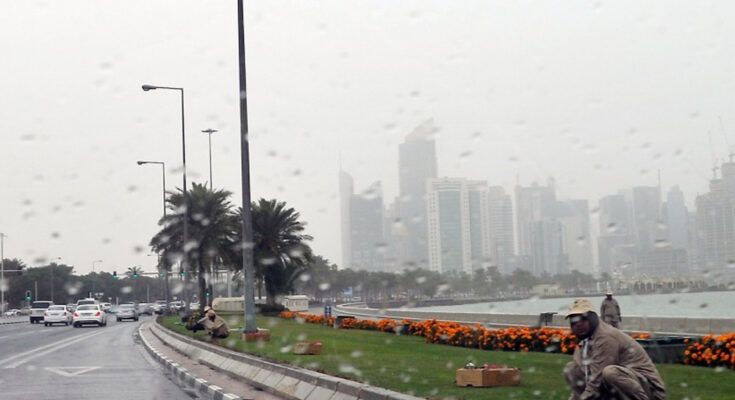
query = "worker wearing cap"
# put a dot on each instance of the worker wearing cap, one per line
(608, 364)
(214, 324)
(610, 310)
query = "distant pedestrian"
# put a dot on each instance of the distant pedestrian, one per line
(610, 310)
(215, 326)
(608, 364)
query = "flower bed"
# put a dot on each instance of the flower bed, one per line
(544, 339)
(712, 351)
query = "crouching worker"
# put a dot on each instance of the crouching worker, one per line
(215, 326)
(608, 364)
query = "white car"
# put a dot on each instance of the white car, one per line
(106, 307)
(37, 310)
(12, 313)
(56, 315)
(89, 314)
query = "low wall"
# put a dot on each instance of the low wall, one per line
(658, 325)
(286, 381)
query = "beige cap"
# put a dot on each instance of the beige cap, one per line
(580, 306)
(609, 293)
(207, 308)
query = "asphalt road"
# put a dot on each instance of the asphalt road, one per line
(60, 362)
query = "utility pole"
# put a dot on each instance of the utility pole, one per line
(247, 223)
(2, 272)
(210, 131)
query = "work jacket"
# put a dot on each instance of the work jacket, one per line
(610, 309)
(217, 328)
(610, 346)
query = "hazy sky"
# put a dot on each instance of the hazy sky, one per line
(599, 95)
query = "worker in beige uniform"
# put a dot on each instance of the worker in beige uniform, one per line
(608, 364)
(610, 310)
(215, 326)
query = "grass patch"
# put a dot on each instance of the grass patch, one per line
(406, 364)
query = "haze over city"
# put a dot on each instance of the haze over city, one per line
(517, 95)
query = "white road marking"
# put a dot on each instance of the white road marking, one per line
(70, 371)
(43, 350)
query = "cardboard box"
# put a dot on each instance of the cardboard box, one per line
(308, 348)
(488, 377)
(262, 335)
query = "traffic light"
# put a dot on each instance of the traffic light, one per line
(28, 295)
(160, 274)
(207, 293)
(114, 274)
(182, 274)
(135, 275)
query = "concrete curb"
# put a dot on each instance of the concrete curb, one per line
(13, 322)
(280, 379)
(184, 377)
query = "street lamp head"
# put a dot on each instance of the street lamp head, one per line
(149, 87)
(141, 162)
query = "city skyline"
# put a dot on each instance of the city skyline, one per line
(641, 230)
(516, 93)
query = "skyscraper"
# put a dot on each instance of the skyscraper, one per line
(500, 211)
(458, 229)
(574, 218)
(366, 229)
(716, 222)
(614, 232)
(677, 218)
(346, 189)
(416, 165)
(362, 226)
(540, 235)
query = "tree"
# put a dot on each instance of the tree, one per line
(280, 251)
(212, 231)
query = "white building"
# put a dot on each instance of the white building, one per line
(458, 228)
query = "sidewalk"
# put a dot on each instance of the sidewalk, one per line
(202, 371)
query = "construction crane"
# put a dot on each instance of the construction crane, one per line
(730, 149)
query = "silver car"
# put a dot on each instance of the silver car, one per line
(127, 311)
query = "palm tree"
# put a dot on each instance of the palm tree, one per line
(212, 229)
(279, 249)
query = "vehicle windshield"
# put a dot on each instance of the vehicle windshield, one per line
(453, 174)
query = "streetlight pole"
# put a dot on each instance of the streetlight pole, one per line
(2, 272)
(247, 223)
(184, 263)
(94, 275)
(210, 132)
(163, 175)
